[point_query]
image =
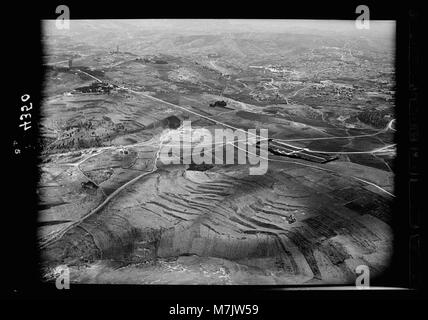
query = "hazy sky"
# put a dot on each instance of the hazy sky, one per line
(377, 28)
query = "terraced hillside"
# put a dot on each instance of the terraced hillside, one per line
(225, 214)
(113, 212)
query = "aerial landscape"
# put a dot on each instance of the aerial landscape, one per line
(118, 92)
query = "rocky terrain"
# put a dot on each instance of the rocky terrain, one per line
(113, 212)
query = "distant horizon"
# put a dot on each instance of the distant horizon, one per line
(377, 27)
(242, 151)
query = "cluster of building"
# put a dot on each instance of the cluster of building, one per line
(275, 69)
(96, 87)
(281, 149)
(218, 104)
(151, 59)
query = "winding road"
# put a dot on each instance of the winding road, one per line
(58, 234)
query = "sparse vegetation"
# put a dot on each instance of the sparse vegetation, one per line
(322, 207)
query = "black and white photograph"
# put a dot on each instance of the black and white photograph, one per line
(226, 156)
(120, 93)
